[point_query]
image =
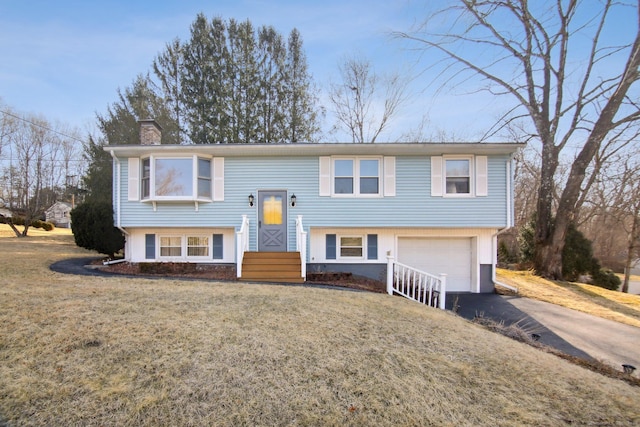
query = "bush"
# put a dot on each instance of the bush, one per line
(92, 226)
(46, 226)
(17, 220)
(605, 278)
(577, 255)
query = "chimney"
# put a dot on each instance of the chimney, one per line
(150, 132)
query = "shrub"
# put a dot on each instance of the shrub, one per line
(605, 278)
(577, 255)
(92, 226)
(17, 220)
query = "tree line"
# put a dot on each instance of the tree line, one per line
(40, 163)
(228, 83)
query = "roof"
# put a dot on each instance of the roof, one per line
(65, 204)
(319, 149)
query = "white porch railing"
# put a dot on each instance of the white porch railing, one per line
(242, 244)
(301, 246)
(416, 285)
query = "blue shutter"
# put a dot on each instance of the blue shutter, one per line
(331, 246)
(217, 246)
(372, 246)
(150, 246)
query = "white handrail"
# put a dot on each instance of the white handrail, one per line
(416, 285)
(242, 244)
(301, 246)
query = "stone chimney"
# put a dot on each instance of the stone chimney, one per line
(150, 132)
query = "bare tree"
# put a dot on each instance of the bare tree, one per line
(612, 211)
(365, 103)
(573, 101)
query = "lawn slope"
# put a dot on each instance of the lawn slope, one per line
(114, 351)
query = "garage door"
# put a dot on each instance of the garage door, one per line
(451, 256)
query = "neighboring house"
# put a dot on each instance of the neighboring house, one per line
(6, 212)
(345, 207)
(635, 267)
(58, 214)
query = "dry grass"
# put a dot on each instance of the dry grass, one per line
(612, 305)
(115, 351)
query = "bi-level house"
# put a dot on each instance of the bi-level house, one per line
(333, 207)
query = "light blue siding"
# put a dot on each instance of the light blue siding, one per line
(412, 206)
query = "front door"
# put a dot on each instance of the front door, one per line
(272, 222)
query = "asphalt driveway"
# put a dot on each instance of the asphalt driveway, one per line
(572, 332)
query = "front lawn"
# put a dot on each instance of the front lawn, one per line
(107, 351)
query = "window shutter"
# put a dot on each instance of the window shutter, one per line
(436, 176)
(218, 179)
(217, 246)
(330, 246)
(325, 176)
(389, 176)
(372, 246)
(134, 178)
(149, 246)
(481, 176)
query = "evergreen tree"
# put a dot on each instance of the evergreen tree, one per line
(167, 67)
(300, 111)
(98, 178)
(271, 61)
(138, 102)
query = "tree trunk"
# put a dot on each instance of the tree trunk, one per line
(633, 235)
(13, 227)
(544, 212)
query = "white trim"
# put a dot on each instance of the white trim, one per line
(184, 247)
(134, 179)
(472, 181)
(363, 247)
(357, 176)
(324, 166)
(218, 179)
(482, 180)
(436, 176)
(389, 168)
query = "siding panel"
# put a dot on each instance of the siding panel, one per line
(412, 206)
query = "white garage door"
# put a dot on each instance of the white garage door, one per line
(432, 255)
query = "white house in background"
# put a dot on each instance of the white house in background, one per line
(59, 214)
(437, 207)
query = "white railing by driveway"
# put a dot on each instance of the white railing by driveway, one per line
(242, 244)
(301, 246)
(416, 285)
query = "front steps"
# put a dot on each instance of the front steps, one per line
(280, 267)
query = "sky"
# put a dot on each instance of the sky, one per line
(66, 60)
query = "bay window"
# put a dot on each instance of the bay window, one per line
(176, 178)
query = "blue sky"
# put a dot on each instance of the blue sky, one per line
(66, 59)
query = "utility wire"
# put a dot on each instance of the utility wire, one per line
(41, 126)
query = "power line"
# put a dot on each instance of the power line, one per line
(41, 126)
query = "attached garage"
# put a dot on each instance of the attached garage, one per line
(452, 255)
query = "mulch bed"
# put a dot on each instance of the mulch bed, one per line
(228, 273)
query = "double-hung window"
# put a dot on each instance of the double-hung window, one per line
(197, 246)
(351, 247)
(356, 176)
(184, 246)
(170, 246)
(458, 172)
